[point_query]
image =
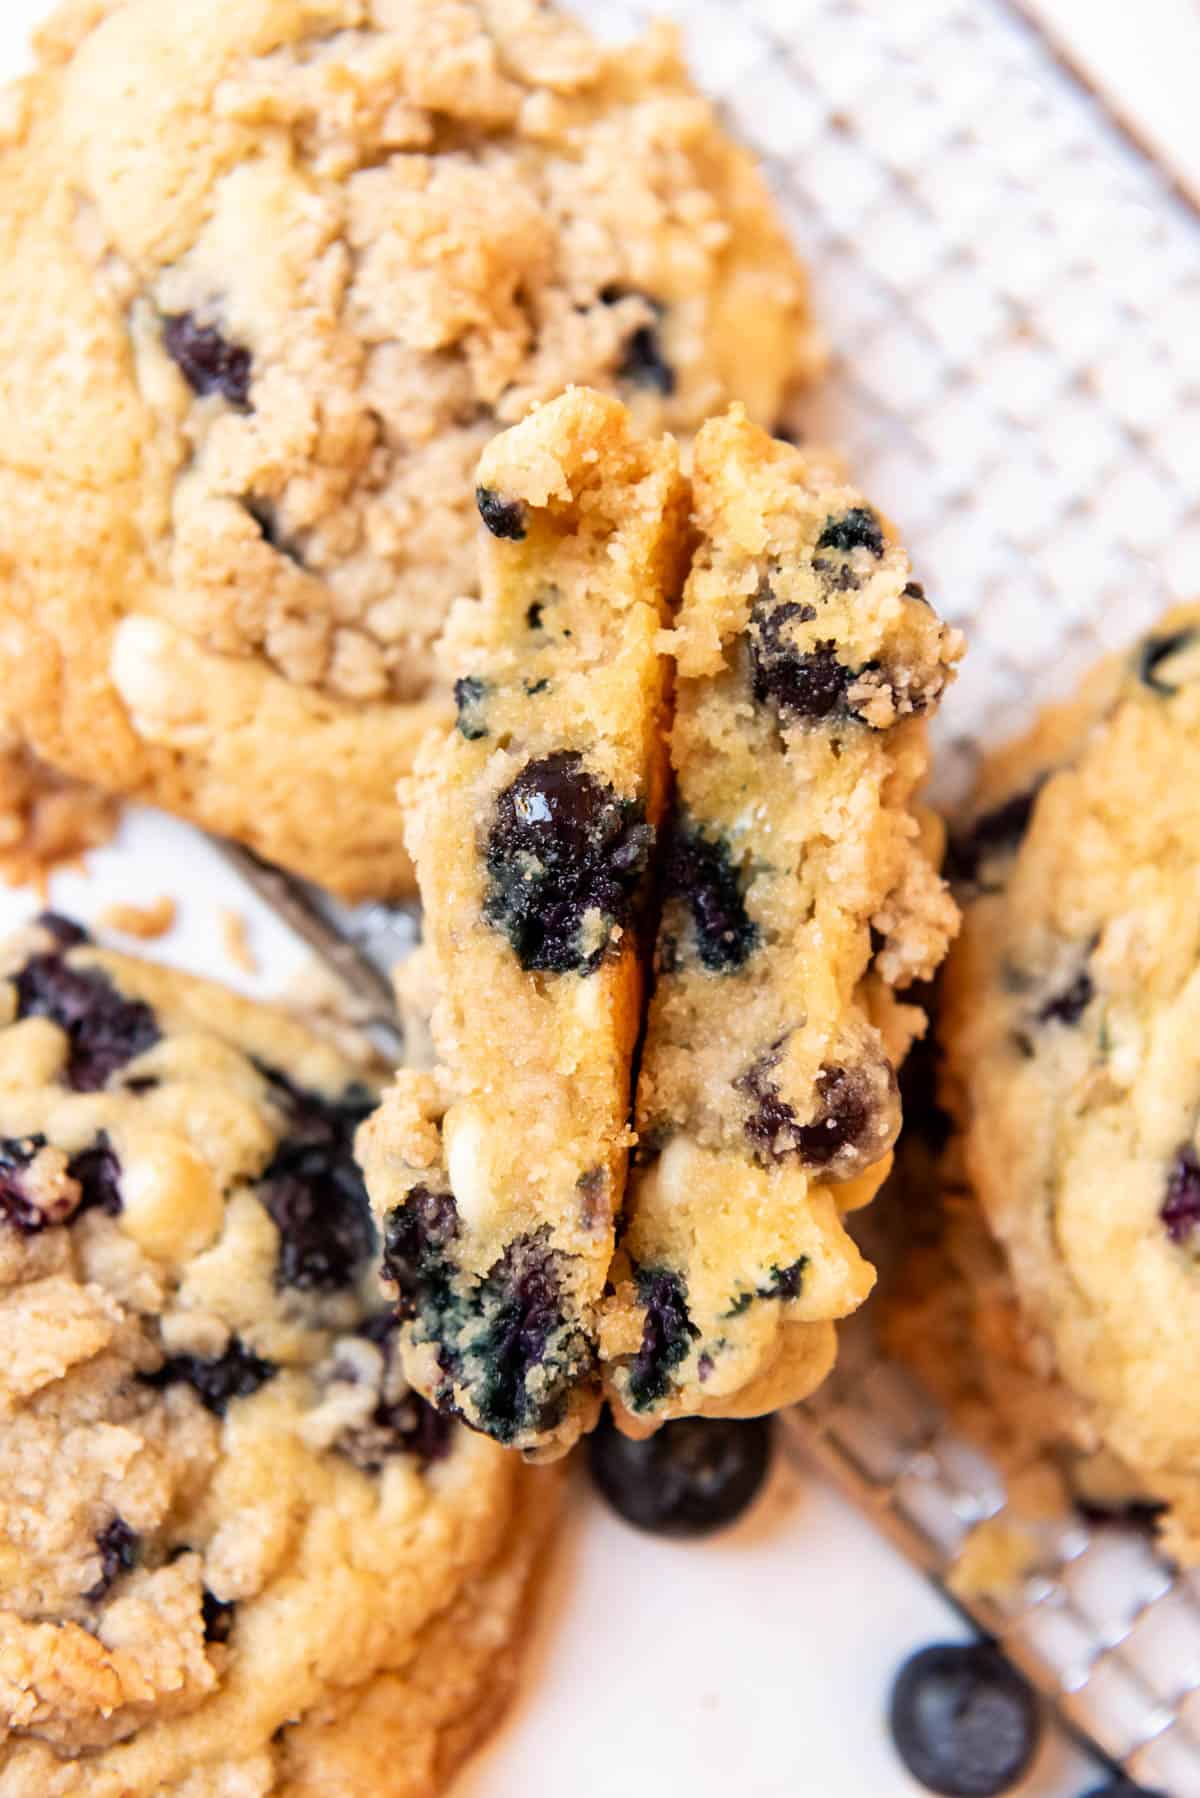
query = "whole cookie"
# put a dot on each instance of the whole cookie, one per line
(1071, 1025)
(240, 1556)
(272, 272)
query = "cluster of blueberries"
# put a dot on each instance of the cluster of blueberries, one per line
(964, 1721)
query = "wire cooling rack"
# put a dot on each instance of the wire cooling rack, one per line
(1011, 289)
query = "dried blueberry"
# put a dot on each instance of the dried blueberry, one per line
(1181, 1208)
(99, 1175)
(469, 695)
(119, 1548)
(667, 1335)
(208, 362)
(104, 1030)
(16, 1208)
(218, 1616)
(699, 872)
(784, 1283)
(503, 517)
(237, 1373)
(1157, 650)
(859, 528)
(563, 850)
(643, 361)
(914, 590)
(964, 1721)
(799, 684)
(314, 1191)
(993, 834)
(693, 1476)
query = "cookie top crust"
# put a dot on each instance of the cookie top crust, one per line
(1069, 1026)
(232, 1532)
(498, 1178)
(799, 891)
(296, 264)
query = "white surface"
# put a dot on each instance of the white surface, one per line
(759, 1664)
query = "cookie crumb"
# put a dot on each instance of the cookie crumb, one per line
(47, 819)
(146, 922)
(235, 940)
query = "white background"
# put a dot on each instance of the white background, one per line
(758, 1664)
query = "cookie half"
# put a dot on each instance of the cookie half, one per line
(240, 1554)
(498, 1179)
(798, 895)
(271, 276)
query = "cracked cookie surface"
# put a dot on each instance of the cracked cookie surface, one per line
(1070, 1025)
(271, 276)
(239, 1556)
(798, 894)
(498, 1178)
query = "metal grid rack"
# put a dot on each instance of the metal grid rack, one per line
(1011, 290)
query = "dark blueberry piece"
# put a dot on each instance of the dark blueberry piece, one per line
(643, 362)
(914, 590)
(218, 1616)
(410, 1426)
(561, 846)
(667, 1335)
(1144, 1515)
(208, 362)
(784, 1283)
(16, 1209)
(119, 1549)
(700, 872)
(994, 833)
(520, 1306)
(844, 1119)
(858, 528)
(99, 1175)
(536, 686)
(314, 1192)
(800, 684)
(468, 699)
(533, 617)
(1157, 650)
(1181, 1208)
(237, 1373)
(66, 933)
(415, 1250)
(693, 1476)
(503, 517)
(104, 1030)
(1069, 1006)
(964, 1721)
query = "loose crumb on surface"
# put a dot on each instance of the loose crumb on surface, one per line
(47, 820)
(144, 921)
(235, 939)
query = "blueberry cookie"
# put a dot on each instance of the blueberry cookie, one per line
(239, 1556)
(1070, 1024)
(798, 894)
(498, 1178)
(271, 276)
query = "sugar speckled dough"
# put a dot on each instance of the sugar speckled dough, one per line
(499, 1176)
(272, 272)
(799, 892)
(1072, 1035)
(238, 1556)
